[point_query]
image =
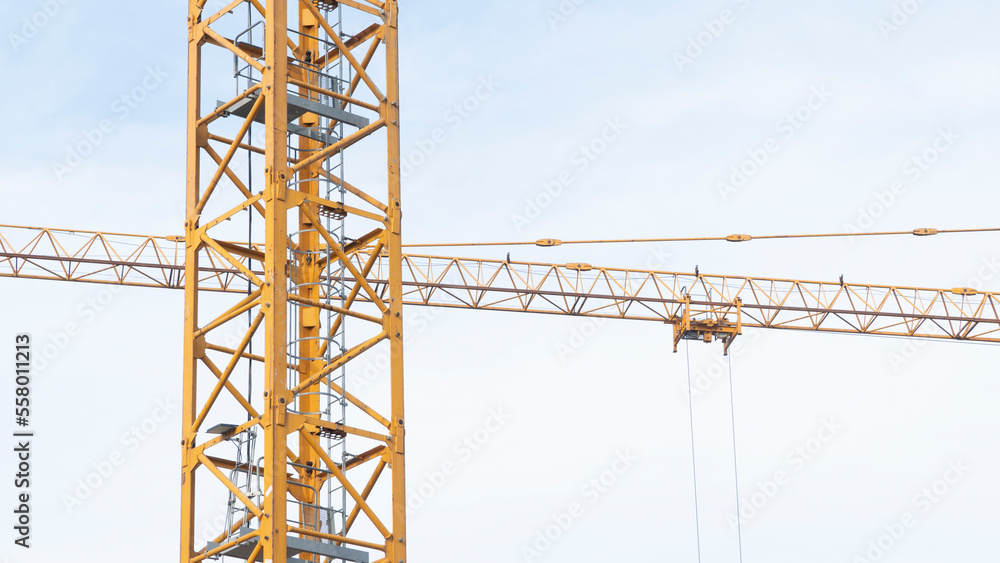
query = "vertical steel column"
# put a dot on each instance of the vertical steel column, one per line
(274, 523)
(189, 399)
(308, 278)
(396, 551)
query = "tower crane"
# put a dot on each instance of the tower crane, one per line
(301, 458)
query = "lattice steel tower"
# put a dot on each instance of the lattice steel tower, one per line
(299, 467)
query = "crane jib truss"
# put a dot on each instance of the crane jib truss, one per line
(730, 302)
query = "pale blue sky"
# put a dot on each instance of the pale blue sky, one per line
(555, 90)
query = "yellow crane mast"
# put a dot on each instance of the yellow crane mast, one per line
(305, 75)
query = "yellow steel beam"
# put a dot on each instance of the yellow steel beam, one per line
(224, 378)
(307, 275)
(397, 543)
(229, 387)
(274, 522)
(192, 243)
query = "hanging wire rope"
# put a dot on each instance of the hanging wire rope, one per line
(694, 464)
(730, 238)
(736, 472)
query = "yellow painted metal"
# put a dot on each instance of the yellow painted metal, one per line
(295, 465)
(721, 322)
(308, 276)
(193, 349)
(536, 287)
(396, 543)
(728, 238)
(382, 280)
